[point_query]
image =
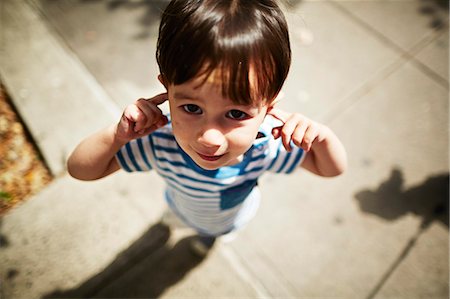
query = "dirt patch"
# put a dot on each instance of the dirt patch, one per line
(22, 171)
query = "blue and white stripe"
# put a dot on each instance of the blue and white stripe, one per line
(197, 196)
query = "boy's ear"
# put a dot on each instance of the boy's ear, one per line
(162, 80)
(274, 102)
(270, 107)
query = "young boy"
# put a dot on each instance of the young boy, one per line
(223, 64)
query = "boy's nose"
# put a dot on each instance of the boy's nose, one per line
(211, 138)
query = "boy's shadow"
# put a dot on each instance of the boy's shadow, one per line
(152, 9)
(144, 270)
(390, 201)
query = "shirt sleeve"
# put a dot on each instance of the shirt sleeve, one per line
(279, 159)
(282, 161)
(136, 155)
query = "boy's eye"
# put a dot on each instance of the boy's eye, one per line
(237, 114)
(192, 109)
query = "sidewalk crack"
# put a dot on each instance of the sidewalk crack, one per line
(402, 256)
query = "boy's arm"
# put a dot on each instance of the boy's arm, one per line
(94, 157)
(325, 156)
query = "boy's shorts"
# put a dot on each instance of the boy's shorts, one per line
(235, 218)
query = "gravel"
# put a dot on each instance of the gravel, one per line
(22, 170)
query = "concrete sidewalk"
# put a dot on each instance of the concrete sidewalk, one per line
(375, 72)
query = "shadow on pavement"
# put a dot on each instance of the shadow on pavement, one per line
(153, 11)
(390, 201)
(437, 10)
(152, 15)
(144, 270)
(3, 239)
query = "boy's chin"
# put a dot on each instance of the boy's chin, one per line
(214, 165)
(209, 165)
(211, 168)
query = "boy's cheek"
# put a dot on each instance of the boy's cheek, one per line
(244, 136)
(172, 107)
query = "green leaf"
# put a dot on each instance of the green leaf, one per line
(5, 196)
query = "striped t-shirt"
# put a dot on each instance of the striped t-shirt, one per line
(213, 202)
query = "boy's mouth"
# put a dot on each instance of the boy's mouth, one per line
(210, 157)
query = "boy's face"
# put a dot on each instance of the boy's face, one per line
(211, 129)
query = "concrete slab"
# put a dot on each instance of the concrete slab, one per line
(403, 23)
(74, 214)
(431, 279)
(404, 121)
(305, 85)
(120, 50)
(58, 99)
(419, 35)
(435, 55)
(354, 228)
(332, 62)
(347, 237)
(161, 265)
(173, 272)
(71, 230)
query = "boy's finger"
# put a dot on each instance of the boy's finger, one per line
(124, 125)
(154, 126)
(146, 131)
(159, 121)
(132, 113)
(276, 132)
(279, 114)
(308, 139)
(163, 121)
(154, 115)
(159, 99)
(287, 131)
(151, 113)
(299, 134)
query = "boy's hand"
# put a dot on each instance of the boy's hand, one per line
(141, 118)
(297, 128)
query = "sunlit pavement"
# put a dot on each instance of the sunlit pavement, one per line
(376, 72)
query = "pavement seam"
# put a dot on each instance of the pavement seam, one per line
(271, 264)
(359, 92)
(240, 260)
(236, 263)
(355, 96)
(401, 257)
(72, 67)
(101, 95)
(410, 54)
(384, 73)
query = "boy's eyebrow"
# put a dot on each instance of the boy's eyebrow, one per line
(181, 95)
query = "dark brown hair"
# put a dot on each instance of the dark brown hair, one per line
(235, 37)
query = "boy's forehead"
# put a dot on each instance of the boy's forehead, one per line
(197, 84)
(215, 79)
(204, 86)
(219, 81)
(212, 81)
